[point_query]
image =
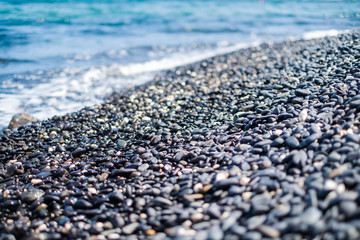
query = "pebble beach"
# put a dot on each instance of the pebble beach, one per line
(261, 143)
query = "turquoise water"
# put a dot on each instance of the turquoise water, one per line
(57, 56)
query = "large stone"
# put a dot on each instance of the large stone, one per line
(21, 119)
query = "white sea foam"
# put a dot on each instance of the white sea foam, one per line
(322, 33)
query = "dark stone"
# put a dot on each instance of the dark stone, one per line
(116, 196)
(82, 204)
(78, 152)
(302, 92)
(292, 142)
(130, 228)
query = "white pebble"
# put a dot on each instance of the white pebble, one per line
(303, 115)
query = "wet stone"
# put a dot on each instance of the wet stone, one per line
(255, 221)
(269, 231)
(348, 208)
(215, 233)
(162, 201)
(32, 195)
(292, 142)
(246, 139)
(130, 228)
(126, 172)
(352, 138)
(78, 152)
(244, 146)
(355, 103)
(245, 166)
(235, 190)
(179, 155)
(262, 143)
(238, 230)
(141, 150)
(82, 204)
(11, 170)
(302, 92)
(11, 204)
(43, 175)
(21, 119)
(334, 157)
(278, 142)
(214, 211)
(309, 140)
(237, 159)
(282, 210)
(231, 220)
(156, 140)
(252, 236)
(116, 196)
(51, 198)
(143, 167)
(311, 216)
(121, 143)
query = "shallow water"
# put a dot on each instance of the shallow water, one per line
(58, 56)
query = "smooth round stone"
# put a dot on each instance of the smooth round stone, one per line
(121, 143)
(311, 216)
(156, 140)
(78, 152)
(130, 228)
(245, 166)
(269, 231)
(334, 157)
(162, 201)
(11, 170)
(43, 175)
(237, 159)
(83, 204)
(244, 147)
(252, 236)
(302, 92)
(352, 138)
(292, 142)
(282, 210)
(32, 195)
(262, 143)
(355, 103)
(278, 142)
(11, 204)
(348, 208)
(238, 230)
(213, 211)
(215, 233)
(141, 150)
(116, 196)
(20, 119)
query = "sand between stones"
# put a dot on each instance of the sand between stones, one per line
(260, 143)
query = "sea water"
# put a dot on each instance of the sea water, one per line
(61, 55)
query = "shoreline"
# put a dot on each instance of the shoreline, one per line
(49, 103)
(259, 143)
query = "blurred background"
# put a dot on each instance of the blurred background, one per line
(58, 56)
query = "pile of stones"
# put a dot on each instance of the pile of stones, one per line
(260, 143)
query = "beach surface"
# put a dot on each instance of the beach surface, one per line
(259, 143)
